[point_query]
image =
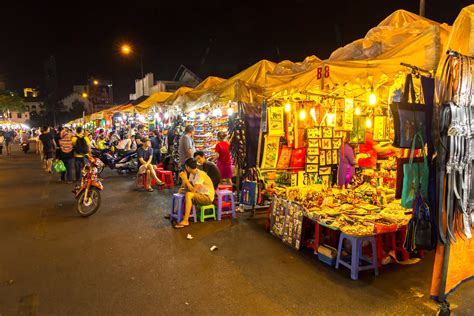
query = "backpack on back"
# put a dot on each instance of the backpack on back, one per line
(81, 146)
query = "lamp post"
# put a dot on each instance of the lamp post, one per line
(127, 50)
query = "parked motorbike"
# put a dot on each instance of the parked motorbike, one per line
(87, 193)
(25, 147)
(121, 161)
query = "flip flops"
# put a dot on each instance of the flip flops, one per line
(179, 226)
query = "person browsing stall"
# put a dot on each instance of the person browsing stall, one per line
(208, 167)
(186, 147)
(222, 156)
(346, 168)
(199, 189)
(145, 156)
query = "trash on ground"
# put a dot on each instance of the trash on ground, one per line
(213, 248)
(189, 236)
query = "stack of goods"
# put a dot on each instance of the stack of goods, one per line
(287, 222)
(356, 212)
(205, 135)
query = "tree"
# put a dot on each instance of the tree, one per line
(10, 101)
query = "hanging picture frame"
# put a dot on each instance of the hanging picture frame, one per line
(339, 121)
(336, 143)
(329, 157)
(322, 158)
(276, 124)
(313, 151)
(314, 132)
(380, 128)
(358, 132)
(325, 170)
(313, 168)
(348, 114)
(313, 143)
(326, 143)
(327, 132)
(335, 157)
(312, 159)
(270, 152)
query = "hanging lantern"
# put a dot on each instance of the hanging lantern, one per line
(287, 107)
(302, 115)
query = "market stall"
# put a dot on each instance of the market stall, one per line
(353, 103)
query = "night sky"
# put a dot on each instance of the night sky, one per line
(85, 38)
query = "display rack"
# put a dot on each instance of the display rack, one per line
(205, 132)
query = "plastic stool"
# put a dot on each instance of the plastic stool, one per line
(179, 199)
(227, 187)
(354, 262)
(140, 180)
(220, 209)
(202, 212)
(167, 178)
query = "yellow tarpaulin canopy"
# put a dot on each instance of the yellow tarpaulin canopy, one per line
(370, 62)
(178, 93)
(154, 99)
(246, 86)
(461, 38)
(197, 92)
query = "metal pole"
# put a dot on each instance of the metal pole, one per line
(422, 8)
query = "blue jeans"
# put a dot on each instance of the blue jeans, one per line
(79, 164)
(69, 163)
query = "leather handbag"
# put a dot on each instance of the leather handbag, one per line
(401, 174)
(415, 176)
(409, 117)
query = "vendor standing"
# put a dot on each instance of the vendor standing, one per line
(346, 169)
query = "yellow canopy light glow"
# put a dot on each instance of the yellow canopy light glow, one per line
(287, 107)
(302, 115)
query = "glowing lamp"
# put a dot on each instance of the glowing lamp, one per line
(372, 98)
(192, 114)
(96, 82)
(84, 95)
(167, 115)
(368, 123)
(312, 112)
(331, 117)
(357, 111)
(287, 107)
(230, 111)
(202, 116)
(302, 115)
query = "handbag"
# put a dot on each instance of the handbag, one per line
(409, 118)
(248, 194)
(401, 174)
(420, 232)
(415, 176)
(58, 166)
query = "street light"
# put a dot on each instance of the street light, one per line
(95, 82)
(84, 94)
(126, 50)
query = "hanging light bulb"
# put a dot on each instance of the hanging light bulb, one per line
(202, 116)
(372, 98)
(368, 122)
(287, 107)
(302, 115)
(331, 117)
(357, 111)
(312, 112)
(230, 111)
(192, 114)
(167, 115)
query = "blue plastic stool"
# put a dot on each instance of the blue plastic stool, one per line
(354, 261)
(179, 199)
(221, 195)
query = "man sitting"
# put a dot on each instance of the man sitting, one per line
(145, 155)
(208, 167)
(199, 189)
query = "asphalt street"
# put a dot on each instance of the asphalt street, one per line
(127, 260)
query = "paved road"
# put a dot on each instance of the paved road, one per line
(127, 260)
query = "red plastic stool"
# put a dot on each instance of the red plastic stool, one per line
(227, 187)
(167, 178)
(139, 185)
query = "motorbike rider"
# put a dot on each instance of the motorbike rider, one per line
(82, 147)
(145, 156)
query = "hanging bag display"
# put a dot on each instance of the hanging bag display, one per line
(248, 194)
(415, 176)
(409, 117)
(420, 231)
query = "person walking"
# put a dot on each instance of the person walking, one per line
(2, 141)
(222, 156)
(66, 154)
(9, 137)
(49, 146)
(82, 147)
(186, 147)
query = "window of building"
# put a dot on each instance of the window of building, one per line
(18, 115)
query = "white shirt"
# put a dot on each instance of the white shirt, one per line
(207, 187)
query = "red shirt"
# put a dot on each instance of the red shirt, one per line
(222, 148)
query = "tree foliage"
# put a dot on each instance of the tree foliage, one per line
(10, 101)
